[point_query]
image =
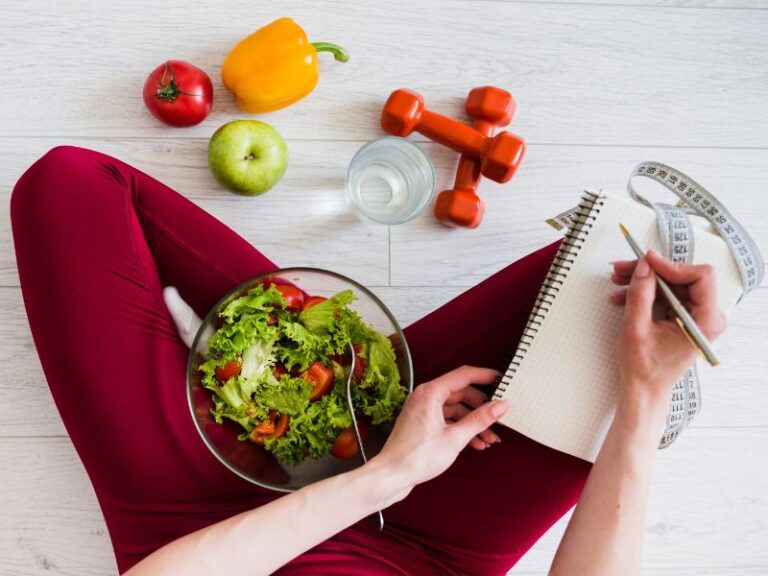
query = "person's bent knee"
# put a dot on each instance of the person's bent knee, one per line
(40, 187)
(59, 159)
(48, 167)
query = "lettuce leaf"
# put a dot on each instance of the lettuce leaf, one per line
(245, 322)
(290, 397)
(301, 347)
(383, 394)
(322, 333)
(313, 431)
(257, 301)
(258, 361)
(320, 317)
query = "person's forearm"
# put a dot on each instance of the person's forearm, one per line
(262, 540)
(605, 534)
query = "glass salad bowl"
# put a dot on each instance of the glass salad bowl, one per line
(252, 461)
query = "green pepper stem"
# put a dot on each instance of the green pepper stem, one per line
(339, 53)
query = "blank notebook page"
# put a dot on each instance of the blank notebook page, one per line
(563, 392)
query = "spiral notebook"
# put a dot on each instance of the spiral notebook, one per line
(563, 379)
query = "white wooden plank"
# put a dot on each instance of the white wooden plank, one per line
(706, 513)
(51, 522)
(29, 409)
(423, 252)
(733, 394)
(660, 4)
(581, 73)
(304, 220)
(410, 304)
(707, 509)
(549, 181)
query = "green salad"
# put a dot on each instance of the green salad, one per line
(276, 366)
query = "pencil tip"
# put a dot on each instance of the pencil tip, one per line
(623, 229)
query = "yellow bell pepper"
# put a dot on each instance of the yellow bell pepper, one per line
(275, 66)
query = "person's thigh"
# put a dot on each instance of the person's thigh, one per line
(489, 507)
(95, 240)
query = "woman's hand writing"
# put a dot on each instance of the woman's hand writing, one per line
(605, 533)
(654, 352)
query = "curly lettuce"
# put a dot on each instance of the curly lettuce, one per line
(260, 334)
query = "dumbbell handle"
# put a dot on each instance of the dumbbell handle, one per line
(452, 133)
(461, 206)
(468, 172)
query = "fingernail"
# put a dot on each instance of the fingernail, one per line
(496, 438)
(643, 268)
(499, 407)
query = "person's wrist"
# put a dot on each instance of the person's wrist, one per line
(640, 414)
(387, 482)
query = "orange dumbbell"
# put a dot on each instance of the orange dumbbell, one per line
(488, 107)
(499, 155)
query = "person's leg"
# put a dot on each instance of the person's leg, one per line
(95, 241)
(484, 512)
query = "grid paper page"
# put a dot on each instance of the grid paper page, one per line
(563, 393)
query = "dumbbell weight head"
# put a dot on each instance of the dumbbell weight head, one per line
(502, 157)
(490, 104)
(460, 208)
(401, 112)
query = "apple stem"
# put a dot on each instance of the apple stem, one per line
(338, 52)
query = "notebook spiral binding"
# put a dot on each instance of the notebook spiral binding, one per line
(583, 219)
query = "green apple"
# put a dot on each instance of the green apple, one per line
(247, 156)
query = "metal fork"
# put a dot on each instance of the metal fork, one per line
(354, 421)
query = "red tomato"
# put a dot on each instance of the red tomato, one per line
(292, 296)
(360, 365)
(321, 378)
(314, 300)
(272, 428)
(178, 93)
(278, 370)
(229, 369)
(345, 445)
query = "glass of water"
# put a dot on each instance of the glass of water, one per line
(390, 180)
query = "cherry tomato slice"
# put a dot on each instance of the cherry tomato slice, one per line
(278, 370)
(265, 428)
(360, 365)
(229, 369)
(281, 426)
(321, 378)
(345, 445)
(292, 297)
(313, 301)
(272, 428)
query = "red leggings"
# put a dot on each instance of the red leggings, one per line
(96, 240)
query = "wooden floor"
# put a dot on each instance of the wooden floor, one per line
(600, 85)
